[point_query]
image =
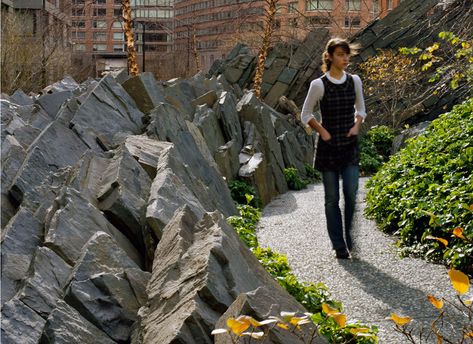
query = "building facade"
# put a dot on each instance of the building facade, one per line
(212, 27)
(98, 37)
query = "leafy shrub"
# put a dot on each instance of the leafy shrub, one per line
(425, 191)
(313, 175)
(375, 148)
(294, 181)
(239, 189)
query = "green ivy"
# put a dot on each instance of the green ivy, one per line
(239, 189)
(375, 148)
(313, 175)
(426, 190)
(294, 181)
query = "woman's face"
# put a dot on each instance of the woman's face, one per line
(340, 58)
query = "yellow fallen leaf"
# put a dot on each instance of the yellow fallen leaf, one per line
(471, 206)
(298, 320)
(359, 330)
(284, 326)
(459, 280)
(468, 334)
(329, 310)
(401, 321)
(249, 320)
(340, 319)
(443, 241)
(458, 232)
(436, 302)
(237, 327)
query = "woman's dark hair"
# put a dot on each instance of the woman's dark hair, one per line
(332, 44)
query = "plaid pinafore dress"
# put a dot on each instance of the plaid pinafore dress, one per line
(338, 111)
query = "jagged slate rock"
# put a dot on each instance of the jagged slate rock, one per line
(261, 304)
(265, 87)
(26, 135)
(51, 103)
(180, 93)
(21, 98)
(101, 254)
(206, 120)
(20, 239)
(13, 155)
(249, 74)
(208, 99)
(168, 194)
(121, 76)
(275, 93)
(235, 51)
(86, 175)
(118, 114)
(38, 118)
(252, 165)
(292, 152)
(199, 269)
(44, 287)
(273, 181)
(20, 324)
(66, 84)
(108, 302)
(274, 70)
(225, 84)
(56, 147)
(227, 113)
(10, 117)
(66, 326)
(67, 111)
(123, 194)
(146, 151)
(233, 74)
(227, 160)
(288, 75)
(400, 140)
(201, 143)
(145, 91)
(187, 162)
(138, 280)
(73, 221)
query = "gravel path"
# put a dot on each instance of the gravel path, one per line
(371, 286)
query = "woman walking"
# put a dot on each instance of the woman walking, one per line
(339, 96)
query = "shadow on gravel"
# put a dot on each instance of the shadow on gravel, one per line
(400, 298)
(281, 205)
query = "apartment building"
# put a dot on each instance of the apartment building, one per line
(212, 27)
(98, 37)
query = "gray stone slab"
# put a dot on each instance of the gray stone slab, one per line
(288, 75)
(45, 283)
(66, 326)
(20, 324)
(145, 91)
(20, 239)
(51, 103)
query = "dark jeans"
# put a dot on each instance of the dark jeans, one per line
(333, 214)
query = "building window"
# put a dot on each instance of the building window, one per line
(293, 22)
(292, 7)
(79, 35)
(118, 36)
(319, 21)
(99, 2)
(117, 12)
(312, 5)
(99, 24)
(100, 36)
(78, 2)
(117, 25)
(100, 12)
(77, 12)
(353, 5)
(79, 47)
(390, 4)
(99, 47)
(78, 23)
(118, 48)
(352, 21)
(375, 7)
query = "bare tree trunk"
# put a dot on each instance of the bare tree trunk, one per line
(263, 53)
(194, 50)
(130, 39)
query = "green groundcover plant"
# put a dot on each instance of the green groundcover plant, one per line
(424, 193)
